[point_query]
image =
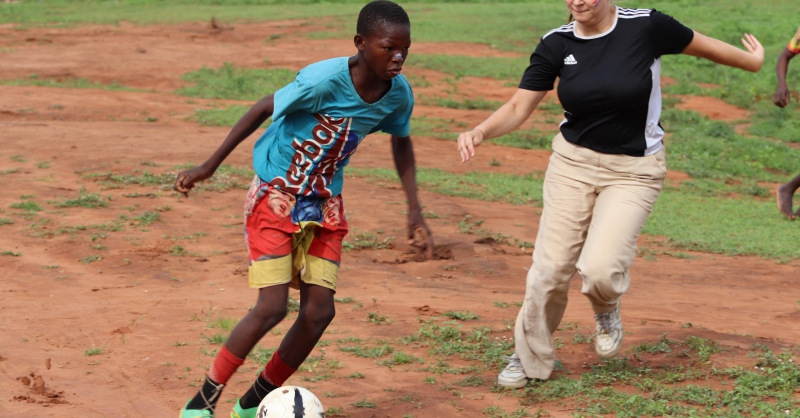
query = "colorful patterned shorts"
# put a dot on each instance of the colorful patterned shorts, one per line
(292, 238)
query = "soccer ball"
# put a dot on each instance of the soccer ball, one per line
(290, 402)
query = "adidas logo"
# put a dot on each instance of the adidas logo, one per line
(570, 60)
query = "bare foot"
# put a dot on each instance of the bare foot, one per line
(784, 198)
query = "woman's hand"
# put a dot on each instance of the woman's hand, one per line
(754, 47)
(467, 142)
(717, 51)
(187, 178)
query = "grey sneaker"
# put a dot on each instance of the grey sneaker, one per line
(513, 376)
(608, 333)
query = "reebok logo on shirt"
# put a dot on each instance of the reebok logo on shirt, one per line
(570, 60)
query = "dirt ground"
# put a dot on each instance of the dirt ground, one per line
(141, 302)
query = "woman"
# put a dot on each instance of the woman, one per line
(607, 166)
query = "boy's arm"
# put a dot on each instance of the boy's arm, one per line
(252, 120)
(403, 153)
(782, 91)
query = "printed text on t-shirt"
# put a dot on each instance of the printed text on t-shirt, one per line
(312, 164)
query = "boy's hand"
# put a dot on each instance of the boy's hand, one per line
(419, 235)
(782, 96)
(187, 178)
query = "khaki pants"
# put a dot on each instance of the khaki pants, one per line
(594, 208)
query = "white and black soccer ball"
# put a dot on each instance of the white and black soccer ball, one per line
(290, 402)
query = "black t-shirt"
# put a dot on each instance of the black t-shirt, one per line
(610, 83)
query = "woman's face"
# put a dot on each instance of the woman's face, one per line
(588, 11)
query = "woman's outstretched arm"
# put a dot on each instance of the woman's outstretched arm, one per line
(506, 119)
(717, 51)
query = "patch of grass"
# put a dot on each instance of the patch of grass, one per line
(262, 355)
(363, 403)
(774, 122)
(717, 224)
(368, 352)
(292, 305)
(704, 148)
(43, 164)
(398, 358)
(217, 338)
(461, 315)
(335, 412)
(10, 253)
(461, 66)
(356, 375)
(367, 240)
(147, 219)
(93, 351)
(464, 104)
(18, 159)
(6, 221)
(85, 200)
(377, 318)
(526, 139)
(232, 82)
(223, 323)
(69, 83)
(438, 128)
(522, 189)
(29, 206)
(477, 346)
(223, 117)
(90, 259)
(9, 171)
(626, 390)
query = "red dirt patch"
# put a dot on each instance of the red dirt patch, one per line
(712, 107)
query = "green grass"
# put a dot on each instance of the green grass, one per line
(223, 117)
(773, 122)
(493, 187)
(627, 390)
(502, 68)
(93, 351)
(90, 259)
(461, 315)
(6, 221)
(29, 206)
(225, 178)
(710, 149)
(690, 219)
(69, 83)
(231, 82)
(463, 104)
(526, 139)
(400, 358)
(10, 253)
(477, 346)
(85, 200)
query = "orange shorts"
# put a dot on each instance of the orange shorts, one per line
(292, 238)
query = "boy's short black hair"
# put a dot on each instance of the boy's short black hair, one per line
(380, 12)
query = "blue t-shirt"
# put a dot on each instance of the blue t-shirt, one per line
(318, 122)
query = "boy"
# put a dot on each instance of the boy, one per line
(786, 191)
(294, 217)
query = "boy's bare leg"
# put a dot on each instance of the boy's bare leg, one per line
(784, 197)
(317, 310)
(270, 309)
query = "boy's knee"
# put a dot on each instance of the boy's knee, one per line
(319, 316)
(268, 312)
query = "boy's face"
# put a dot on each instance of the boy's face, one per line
(385, 49)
